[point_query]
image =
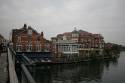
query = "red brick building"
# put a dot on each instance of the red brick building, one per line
(26, 39)
(88, 39)
(77, 41)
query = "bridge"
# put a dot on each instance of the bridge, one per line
(9, 74)
(23, 59)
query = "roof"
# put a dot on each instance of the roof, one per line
(1, 36)
(23, 29)
(74, 31)
(67, 33)
(97, 35)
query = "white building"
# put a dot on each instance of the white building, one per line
(68, 46)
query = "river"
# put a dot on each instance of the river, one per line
(85, 72)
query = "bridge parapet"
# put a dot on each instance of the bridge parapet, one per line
(25, 74)
(12, 73)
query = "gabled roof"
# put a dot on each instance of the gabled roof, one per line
(1, 36)
(97, 35)
(32, 29)
(67, 33)
(59, 35)
(24, 29)
(81, 32)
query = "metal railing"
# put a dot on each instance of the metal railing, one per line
(25, 60)
(26, 76)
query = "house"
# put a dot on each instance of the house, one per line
(28, 42)
(77, 41)
(26, 39)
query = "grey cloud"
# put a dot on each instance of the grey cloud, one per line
(57, 16)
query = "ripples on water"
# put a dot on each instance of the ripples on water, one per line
(86, 72)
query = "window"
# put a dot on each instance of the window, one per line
(38, 47)
(29, 48)
(29, 32)
(18, 48)
(19, 39)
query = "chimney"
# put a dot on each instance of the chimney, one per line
(42, 34)
(25, 26)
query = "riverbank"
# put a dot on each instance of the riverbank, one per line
(107, 71)
(73, 62)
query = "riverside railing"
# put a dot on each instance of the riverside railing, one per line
(26, 76)
(12, 73)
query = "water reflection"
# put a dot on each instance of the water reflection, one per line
(86, 72)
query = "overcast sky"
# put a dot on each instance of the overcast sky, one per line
(57, 16)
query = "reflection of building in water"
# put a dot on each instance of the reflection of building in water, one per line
(69, 73)
(41, 74)
(83, 72)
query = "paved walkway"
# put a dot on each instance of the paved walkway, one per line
(3, 68)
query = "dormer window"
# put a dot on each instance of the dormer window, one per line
(29, 32)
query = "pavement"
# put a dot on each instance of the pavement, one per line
(3, 68)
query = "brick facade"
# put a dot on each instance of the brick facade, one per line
(26, 39)
(84, 38)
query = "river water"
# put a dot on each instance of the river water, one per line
(85, 72)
